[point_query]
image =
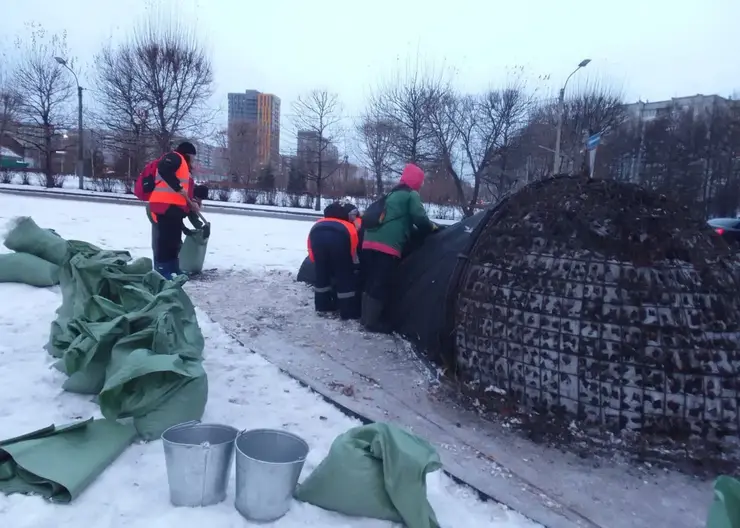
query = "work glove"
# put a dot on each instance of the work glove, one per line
(207, 230)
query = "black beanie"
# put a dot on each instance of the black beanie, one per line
(186, 147)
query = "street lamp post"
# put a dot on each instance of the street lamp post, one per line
(79, 169)
(561, 109)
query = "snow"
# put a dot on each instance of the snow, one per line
(246, 391)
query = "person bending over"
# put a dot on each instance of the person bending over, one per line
(332, 246)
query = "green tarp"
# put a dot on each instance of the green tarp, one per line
(123, 333)
(725, 510)
(377, 471)
(58, 463)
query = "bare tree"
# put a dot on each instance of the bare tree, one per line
(44, 90)
(9, 103)
(473, 136)
(122, 110)
(163, 71)
(376, 136)
(597, 108)
(404, 105)
(317, 118)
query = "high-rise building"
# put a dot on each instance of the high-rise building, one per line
(263, 110)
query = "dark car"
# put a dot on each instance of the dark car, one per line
(727, 228)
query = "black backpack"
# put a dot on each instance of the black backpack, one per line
(375, 213)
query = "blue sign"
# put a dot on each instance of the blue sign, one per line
(593, 142)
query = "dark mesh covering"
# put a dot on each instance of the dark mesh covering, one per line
(604, 302)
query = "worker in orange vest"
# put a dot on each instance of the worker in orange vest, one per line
(332, 246)
(171, 201)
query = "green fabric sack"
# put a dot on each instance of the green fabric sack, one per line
(185, 403)
(58, 463)
(28, 269)
(725, 509)
(377, 471)
(193, 251)
(25, 236)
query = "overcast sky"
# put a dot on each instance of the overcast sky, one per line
(650, 49)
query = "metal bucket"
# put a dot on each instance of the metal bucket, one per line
(268, 464)
(198, 458)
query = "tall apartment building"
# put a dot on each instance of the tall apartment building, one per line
(263, 110)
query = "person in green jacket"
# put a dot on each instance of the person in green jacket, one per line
(383, 245)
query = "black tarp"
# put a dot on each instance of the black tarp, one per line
(425, 285)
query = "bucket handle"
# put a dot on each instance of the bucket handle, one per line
(185, 424)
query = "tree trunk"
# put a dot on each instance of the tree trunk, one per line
(48, 168)
(317, 205)
(379, 180)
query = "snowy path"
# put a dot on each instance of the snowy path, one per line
(246, 390)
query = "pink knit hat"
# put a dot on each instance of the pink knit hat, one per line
(412, 176)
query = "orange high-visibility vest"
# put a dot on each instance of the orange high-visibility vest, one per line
(354, 238)
(164, 194)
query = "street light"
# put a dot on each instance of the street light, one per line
(79, 169)
(561, 109)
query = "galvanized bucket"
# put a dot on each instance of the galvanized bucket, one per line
(268, 464)
(198, 458)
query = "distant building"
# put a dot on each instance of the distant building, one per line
(205, 155)
(263, 110)
(699, 104)
(309, 148)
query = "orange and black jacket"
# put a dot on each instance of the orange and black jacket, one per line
(343, 226)
(173, 175)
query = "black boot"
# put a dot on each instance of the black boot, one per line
(372, 315)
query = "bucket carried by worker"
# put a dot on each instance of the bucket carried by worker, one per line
(198, 458)
(268, 464)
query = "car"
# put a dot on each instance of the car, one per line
(727, 228)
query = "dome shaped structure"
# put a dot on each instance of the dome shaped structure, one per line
(604, 302)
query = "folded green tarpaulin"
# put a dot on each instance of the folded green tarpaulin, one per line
(58, 463)
(25, 268)
(377, 471)
(725, 509)
(25, 236)
(123, 333)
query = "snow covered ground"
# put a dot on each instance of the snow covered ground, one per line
(246, 390)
